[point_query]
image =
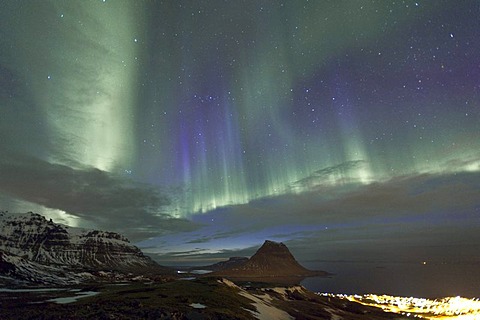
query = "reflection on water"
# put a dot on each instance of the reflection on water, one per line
(428, 280)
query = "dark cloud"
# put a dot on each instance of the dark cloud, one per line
(399, 197)
(219, 235)
(201, 256)
(405, 218)
(472, 163)
(110, 202)
(412, 241)
(338, 173)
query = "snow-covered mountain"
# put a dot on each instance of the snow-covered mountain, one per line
(35, 249)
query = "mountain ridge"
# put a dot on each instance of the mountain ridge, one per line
(35, 249)
(222, 265)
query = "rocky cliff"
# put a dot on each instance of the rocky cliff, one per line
(35, 249)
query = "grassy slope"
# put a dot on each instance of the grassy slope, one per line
(171, 300)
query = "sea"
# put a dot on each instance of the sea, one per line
(423, 279)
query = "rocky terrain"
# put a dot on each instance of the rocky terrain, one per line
(36, 250)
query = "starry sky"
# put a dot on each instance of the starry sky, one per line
(347, 129)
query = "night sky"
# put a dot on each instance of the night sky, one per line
(349, 130)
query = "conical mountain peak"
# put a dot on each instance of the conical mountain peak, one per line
(272, 259)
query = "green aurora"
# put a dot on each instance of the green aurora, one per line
(204, 105)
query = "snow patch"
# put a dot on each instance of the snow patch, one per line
(334, 316)
(265, 311)
(229, 283)
(283, 291)
(79, 295)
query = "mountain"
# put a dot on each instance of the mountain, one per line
(230, 263)
(273, 259)
(34, 249)
(222, 265)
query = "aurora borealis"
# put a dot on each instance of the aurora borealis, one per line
(196, 127)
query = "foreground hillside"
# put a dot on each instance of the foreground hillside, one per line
(207, 298)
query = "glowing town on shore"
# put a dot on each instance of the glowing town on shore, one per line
(444, 308)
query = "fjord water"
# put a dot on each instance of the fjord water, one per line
(430, 280)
